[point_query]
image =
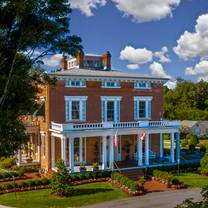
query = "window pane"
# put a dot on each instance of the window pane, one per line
(110, 111)
(76, 150)
(142, 109)
(75, 110)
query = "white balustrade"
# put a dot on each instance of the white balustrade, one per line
(112, 125)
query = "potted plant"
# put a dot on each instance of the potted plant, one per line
(82, 168)
(95, 166)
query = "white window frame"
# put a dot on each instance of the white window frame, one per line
(148, 107)
(117, 112)
(116, 84)
(82, 107)
(70, 83)
(147, 85)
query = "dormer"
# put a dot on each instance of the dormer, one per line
(87, 61)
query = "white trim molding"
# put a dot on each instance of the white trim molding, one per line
(111, 98)
(82, 107)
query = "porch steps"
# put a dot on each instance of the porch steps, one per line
(133, 173)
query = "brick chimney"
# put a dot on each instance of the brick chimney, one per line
(80, 59)
(107, 60)
(64, 63)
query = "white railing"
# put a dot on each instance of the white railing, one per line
(112, 125)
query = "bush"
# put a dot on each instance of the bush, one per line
(61, 181)
(204, 164)
(193, 140)
(122, 179)
(192, 147)
(7, 163)
(184, 142)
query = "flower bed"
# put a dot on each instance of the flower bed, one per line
(11, 175)
(167, 178)
(25, 186)
(126, 184)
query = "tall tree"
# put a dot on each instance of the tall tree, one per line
(29, 30)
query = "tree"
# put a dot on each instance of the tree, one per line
(189, 203)
(188, 101)
(29, 30)
(61, 181)
(204, 163)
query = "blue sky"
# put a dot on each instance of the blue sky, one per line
(135, 31)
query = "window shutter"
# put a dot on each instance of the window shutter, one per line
(117, 111)
(149, 109)
(136, 113)
(83, 110)
(103, 111)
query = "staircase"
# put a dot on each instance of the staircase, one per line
(133, 173)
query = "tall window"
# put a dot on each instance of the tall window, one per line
(111, 108)
(75, 108)
(142, 107)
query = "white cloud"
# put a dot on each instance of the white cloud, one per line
(200, 69)
(146, 10)
(194, 44)
(171, 84)
(162, 55)
(133, 66)
(157, 70)
(86, 6)
(136, 56)
(53, 61)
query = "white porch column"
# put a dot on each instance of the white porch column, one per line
(147, 149)
(71, 154)
(63, 149)
(53, 162)
(19, 157)
(81, 150)
(172, 152)
(161, 145)
(140, 151)
(111, 147)
(104, 151)
(39, 153)
(178, 146)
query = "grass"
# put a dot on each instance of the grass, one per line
(193, 180)
(86, 194)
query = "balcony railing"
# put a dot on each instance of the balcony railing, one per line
(112, 125)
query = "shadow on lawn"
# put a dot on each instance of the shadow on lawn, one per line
(87, 191)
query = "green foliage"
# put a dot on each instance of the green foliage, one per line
(204, 164)
(184, 142)
(29, 30)
(188, 101)
(124, 180)
(95, 166)
(29, 183)
(193, 140)
(7, 163)
(61, 181)
(189, 203)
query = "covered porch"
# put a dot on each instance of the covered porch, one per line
(89, 144)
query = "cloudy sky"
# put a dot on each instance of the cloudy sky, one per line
(165, 38)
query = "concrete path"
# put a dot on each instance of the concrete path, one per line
(167, 199)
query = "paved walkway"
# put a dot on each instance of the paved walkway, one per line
(167, 199)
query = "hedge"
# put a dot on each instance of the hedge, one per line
(10, 174)
(29, 183)
(124, 180)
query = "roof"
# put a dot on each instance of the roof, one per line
(76, 72)
(190, 124)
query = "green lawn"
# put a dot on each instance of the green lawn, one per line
(87, 194)
(193, 180)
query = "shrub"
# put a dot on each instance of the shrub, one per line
(7, 163)
(95, 166)
(204, 164)
(184, 142)
(122, 179)
(61, 181)
(192, 147)
(193, 140)
(202, 148)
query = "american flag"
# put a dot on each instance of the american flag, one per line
(116, 140)
(142, 135)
